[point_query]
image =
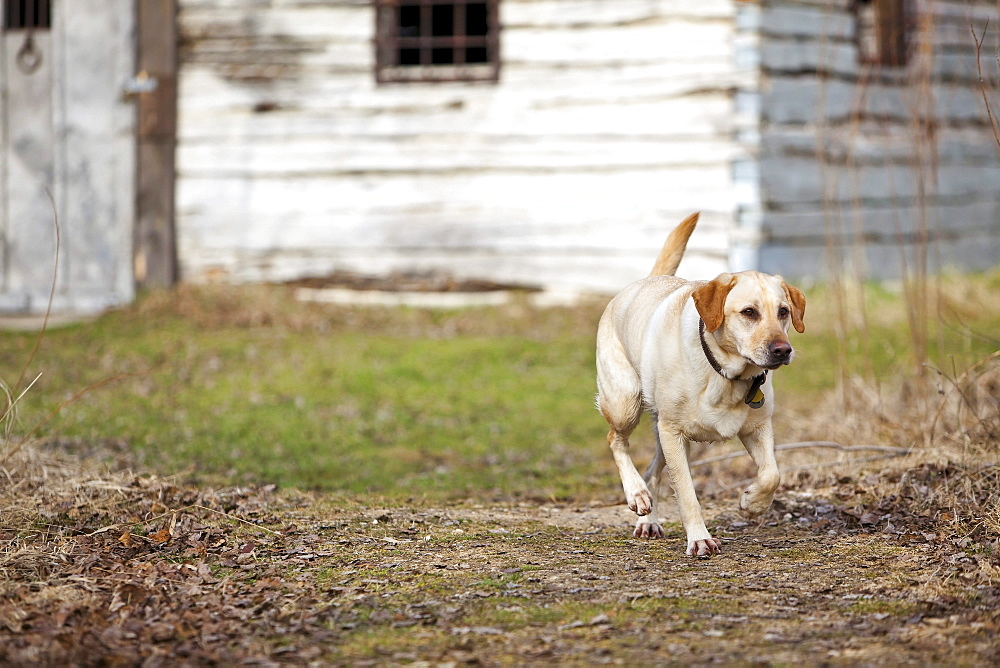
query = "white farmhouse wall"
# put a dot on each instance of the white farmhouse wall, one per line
(862, 167)
(612, 120)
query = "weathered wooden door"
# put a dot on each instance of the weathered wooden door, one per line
(66, 129)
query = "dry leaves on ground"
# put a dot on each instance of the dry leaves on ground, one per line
(112, 567)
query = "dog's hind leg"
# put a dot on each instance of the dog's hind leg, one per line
(619, 397)
(648, 526)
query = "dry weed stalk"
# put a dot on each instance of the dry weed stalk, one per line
(9, 413)
(978, 42)
(929, 407)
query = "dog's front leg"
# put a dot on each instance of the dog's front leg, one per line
(759, 442)
(675, 454)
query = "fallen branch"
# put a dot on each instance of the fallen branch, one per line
(804, 445)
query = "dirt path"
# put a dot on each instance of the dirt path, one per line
(570, 584)
(135, 570)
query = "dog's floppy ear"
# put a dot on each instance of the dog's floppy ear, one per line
(710, 300)
(798, 301)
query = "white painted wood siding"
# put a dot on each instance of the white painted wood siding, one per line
(873, 159)
(612, 120)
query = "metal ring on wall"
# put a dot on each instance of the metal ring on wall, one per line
(28, 58)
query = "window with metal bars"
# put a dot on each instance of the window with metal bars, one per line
(882, 31)
(437, 40)
(27, 14)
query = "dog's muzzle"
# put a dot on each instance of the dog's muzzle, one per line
(778, 353)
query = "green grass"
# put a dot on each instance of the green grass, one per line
(886, 607)
(248, 385)
(354, 410)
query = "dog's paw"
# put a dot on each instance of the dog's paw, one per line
(648, 530)
(704, 547)
(640, 503)
(754, 503)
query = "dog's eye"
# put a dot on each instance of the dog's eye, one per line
(782, 312)
(749, 312)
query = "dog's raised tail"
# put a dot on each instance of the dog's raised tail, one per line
(673, 248)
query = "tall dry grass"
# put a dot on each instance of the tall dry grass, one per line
(934, 405)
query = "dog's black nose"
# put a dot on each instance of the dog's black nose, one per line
(780, 352)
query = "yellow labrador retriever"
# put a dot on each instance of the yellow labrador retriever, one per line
(696, 355)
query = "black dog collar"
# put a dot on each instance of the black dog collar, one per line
(755, 396)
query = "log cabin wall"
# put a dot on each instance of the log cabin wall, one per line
(867, 164)
(610, 122)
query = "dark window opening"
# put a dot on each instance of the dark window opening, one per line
(27, 14)
(882, 32)
(437, 40)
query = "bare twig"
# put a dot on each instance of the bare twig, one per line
(978, 41)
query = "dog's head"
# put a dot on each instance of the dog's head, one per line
(753, 312)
